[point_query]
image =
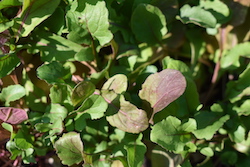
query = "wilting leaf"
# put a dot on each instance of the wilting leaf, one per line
(96, 19)
(118, 83)
(153, 22)
(13, 115)
(53, 72)
(12, 93)
(33, 13)
(8, 63)
(172, 134)
(69, 148)
(160, 89)
(127, 116)
(82, 91)
(197, 15)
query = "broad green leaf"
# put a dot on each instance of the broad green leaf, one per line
(12, 93)
(56, 112)
(95, 17)
(28, 156)
(118, 83)
(236, 90)
(69, 148)
(8, 63)
(160, 89)
(23, 139)
(125, 115)
(231, 59)
(96, 77)
(54, 72)
(148, 24)
(219, 9)
(82, 91)
(95, 106)
(135, 152)
(172, 134)
(85, 54)
(33, 13)
(53, 47)
(9, 3)
(206, 129)
(197, 15)
(60, 94)
(13, 115)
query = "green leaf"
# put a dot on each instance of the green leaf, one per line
(23, 139)
(12, 93)
(231, 59)
(53, 47)
(118, 83)
(236, 90)
(125, 115)
(5, 23)
(95, 106)
(12, 148)
(60, 94)
(219, 9)
(54, 72)
(8, 63)
(85, 54)
(135, 152)
(33, 13)
(197, 15)
(172, 134)
(153, 22)
(82, 91)
(69, 148)
(158, 93)
(95, 16)
(9, 3)
(206, 129)
(207, 151)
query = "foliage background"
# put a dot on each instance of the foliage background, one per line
(81, 77)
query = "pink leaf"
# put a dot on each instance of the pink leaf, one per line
(13, 115)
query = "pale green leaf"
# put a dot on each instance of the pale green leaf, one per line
(12, 93)
(118, 83)
(69, 148)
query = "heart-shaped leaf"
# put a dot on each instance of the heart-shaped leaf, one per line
(160, 89)
(13, 115)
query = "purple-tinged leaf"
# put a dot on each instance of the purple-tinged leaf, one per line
(13, 115)
(127, 117)
(160, 89)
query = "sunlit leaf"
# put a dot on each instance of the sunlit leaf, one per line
(9, 3)
(13, 115)
(118, 83)
(33, 13)
(197, 15)
(160, 89)
(172, 134)
(213, 122)
(12, 93)
(69, 148)
(95, 17)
